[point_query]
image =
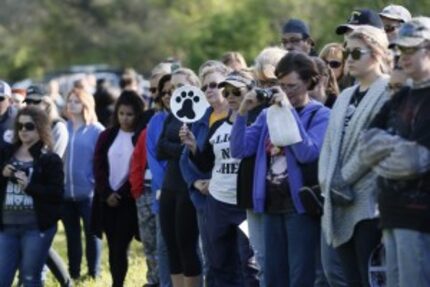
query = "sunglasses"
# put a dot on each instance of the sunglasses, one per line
(227, 92)
(355, 53)
(390, 28)
(32, 102)
(410, 50)
(28, 126)
(169, 93)
(152, 90)
(334, 64)
(212, 86)
(2, 99)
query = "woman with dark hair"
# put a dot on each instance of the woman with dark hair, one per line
(177, 213)
(114, 208)
(291, 235)
(326, 90)
(31, 192)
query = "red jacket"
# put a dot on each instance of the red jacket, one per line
(138, 166)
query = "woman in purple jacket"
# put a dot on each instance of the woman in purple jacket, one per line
(292, 236)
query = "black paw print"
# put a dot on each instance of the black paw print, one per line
(187, 99)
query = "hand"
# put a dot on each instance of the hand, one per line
(374, 145)
(202, 185)
(187, 138)
(113, 199)
(249, 102)
(21, 178)
(279, 97)
(408, 160)
(8, 170)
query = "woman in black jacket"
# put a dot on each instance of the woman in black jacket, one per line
(114, 209)
(31, 192)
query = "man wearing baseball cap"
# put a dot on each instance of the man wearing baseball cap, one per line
(296, 36)
(400, 133)
(393, 16)
(7, 114)
(360, 17)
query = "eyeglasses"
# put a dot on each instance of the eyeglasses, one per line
(355, 53)
(390, 28)
(212, 86)
(227, 92)
(28, 126)
(152, 90)
(32, 102)
(334, 64)
(410, 50)
(292, 40)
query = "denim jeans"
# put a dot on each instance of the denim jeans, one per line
(291, 244)
(256, 237)
(73, 211)
(24, 247)
(207, 271)
(147, 232)
(230, 254)
(163, 258)
(408, 257)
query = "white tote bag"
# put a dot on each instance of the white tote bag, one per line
(283, 129)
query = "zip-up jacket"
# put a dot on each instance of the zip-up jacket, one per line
(79, 161)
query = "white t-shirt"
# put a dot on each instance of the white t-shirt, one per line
(119, 156)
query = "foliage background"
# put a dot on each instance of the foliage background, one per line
(42, 35)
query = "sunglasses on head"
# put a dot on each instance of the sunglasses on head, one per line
(153, 90)
(334, 64)
(355, 53)
(227, 92)
(32, 102)
(212, 86)
(28, 126)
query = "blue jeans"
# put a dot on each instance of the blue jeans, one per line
(408, 257)
(256, 237)
(291, 244)
(230, 254)
(207, 271)
(24, 247)
(332, 266)
(163, 258)
(73, 211)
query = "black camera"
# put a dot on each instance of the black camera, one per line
(264, 95)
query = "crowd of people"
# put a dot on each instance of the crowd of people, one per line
(305, 169)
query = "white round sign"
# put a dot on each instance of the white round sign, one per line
(188, 104)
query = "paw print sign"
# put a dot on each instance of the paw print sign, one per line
(188, 104)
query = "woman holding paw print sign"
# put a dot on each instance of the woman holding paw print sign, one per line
(177, 214)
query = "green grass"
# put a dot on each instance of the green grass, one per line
(136, 275)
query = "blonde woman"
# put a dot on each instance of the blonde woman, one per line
(84, 130)
(350, 222)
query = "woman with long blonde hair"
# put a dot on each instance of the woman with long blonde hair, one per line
(84, 130)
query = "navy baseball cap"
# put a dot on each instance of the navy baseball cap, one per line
(360, 17)
(296, 26)
(35, 92)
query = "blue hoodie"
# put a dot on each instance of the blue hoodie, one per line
(247, 141)
(157, 167)
(78, 161)
(200, 129)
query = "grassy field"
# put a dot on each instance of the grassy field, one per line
(136, 269)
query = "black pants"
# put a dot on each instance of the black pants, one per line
(119, 224)
(179, 229)
(354, 255)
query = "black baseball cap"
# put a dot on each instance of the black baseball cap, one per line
(360, 17)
